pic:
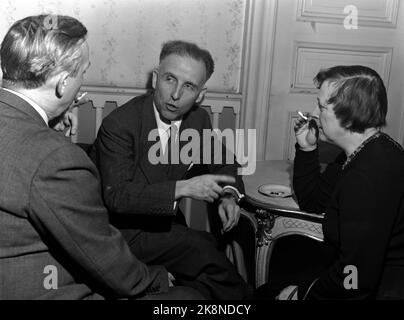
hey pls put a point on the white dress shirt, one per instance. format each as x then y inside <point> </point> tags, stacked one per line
<point>164,128</point>
<point>164,132</point>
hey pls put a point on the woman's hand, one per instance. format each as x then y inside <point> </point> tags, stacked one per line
<point>306,132</point>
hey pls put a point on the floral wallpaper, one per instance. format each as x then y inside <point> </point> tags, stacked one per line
<point>125,36</point>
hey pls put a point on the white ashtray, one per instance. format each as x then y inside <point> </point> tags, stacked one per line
<point>275,190</point>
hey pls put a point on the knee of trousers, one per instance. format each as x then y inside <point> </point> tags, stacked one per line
<point>201,242</point>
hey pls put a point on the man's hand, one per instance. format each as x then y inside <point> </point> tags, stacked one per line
<point>229,212</point>
<point>205,187</point>
<point>67,120</point>
<point>289,293</point>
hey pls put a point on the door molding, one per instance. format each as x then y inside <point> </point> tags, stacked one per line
<point>401,129</point>
<point>259,39</point>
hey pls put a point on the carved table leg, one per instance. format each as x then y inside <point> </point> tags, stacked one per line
<point>270,227</point>
<point>265,223</point>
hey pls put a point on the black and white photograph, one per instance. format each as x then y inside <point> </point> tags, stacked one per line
<point>202,158</point>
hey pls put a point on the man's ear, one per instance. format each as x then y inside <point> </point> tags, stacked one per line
<point>154,78</point>
<point>61,84</point>
<point>201,96</point>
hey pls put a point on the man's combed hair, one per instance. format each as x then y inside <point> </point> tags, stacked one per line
<point>188,49</point>
<point>359,96</point>
<point>33,50</point>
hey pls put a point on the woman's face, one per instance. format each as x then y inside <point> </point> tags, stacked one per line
<point>329,126</point>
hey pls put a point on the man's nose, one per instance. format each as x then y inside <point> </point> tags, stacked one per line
<point>176,93</point>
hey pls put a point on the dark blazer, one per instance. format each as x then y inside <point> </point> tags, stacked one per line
<point>132,185</point>
<point>364,219</point>
<point>51,213</point>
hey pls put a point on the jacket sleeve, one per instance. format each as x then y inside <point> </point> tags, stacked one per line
<point>66,207</point>
<point>312,187</point>
<point>115,154</point>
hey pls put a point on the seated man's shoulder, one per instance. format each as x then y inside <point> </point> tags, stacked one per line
<point>129,111</point>
<point>198,111</point>
<point>199,114</point>
<point>134,105</point>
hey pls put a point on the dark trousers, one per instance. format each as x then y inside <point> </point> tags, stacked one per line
<point>175,293</point>
<point>192,257</point>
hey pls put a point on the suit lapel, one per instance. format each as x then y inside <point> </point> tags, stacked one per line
<point>20,104</point>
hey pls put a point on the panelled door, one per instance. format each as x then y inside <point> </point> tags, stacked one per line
<point>314,34</point>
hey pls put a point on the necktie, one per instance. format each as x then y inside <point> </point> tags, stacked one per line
<point>172,133</point>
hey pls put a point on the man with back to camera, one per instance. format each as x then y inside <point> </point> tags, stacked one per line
<point>143,196</point>
<point>55,238</point>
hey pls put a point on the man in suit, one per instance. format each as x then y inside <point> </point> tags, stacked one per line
<point>143,195</point>
<point>55,238</point>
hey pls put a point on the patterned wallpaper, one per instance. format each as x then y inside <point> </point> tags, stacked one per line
<point>125,36</point>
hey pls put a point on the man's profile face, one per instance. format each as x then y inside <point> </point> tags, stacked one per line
<point>178,85</point>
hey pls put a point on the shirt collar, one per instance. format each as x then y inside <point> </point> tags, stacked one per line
<point>31,103</point>
<point>161,125</point>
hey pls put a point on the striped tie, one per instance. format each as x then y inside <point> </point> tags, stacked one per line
<point>172,132</point>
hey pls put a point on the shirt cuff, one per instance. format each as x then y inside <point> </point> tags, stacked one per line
<point>233,192</point>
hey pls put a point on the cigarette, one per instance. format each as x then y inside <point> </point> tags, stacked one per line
<point>302,115</point>
<point>81,96</point>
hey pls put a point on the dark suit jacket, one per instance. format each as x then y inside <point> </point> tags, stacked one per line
<point>51,213</point>
<point>133,187</point>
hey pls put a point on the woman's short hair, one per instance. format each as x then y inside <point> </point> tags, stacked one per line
<point>359,96</point>
<point>38,47</point>
<point>183,48</point>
